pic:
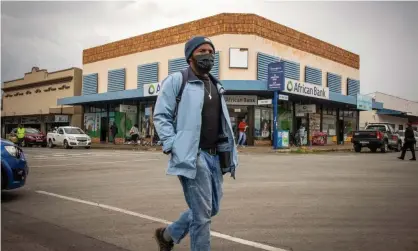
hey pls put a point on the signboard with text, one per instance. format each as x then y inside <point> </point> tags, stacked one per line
<point>241,99</point>
<point>306,89</point>
<point>364,102</point>
<point>128,108</point>
<point>275,76</point>
<point>305,108</point>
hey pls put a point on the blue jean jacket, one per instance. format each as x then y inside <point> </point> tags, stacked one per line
<point>181,135</point>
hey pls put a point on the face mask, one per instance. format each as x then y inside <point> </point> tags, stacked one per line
<point>204,62</point>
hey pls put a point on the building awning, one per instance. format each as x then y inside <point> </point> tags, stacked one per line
<point>242,86</point>
<point>390,112</point>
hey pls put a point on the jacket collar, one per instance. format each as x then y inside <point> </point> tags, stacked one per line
<point>193,78</point>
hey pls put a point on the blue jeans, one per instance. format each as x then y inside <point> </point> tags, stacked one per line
<point>203,195</point>
<point>242,138</point>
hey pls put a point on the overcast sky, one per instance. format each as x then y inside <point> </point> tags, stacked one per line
<point>52,35</point>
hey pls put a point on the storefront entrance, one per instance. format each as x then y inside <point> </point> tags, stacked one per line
<point>238,114</point>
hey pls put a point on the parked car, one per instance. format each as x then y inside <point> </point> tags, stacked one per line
<point>32,137</point>
<point>402,137</point>
<point>68,137</point>
<point>14,167</point>
<point>377,136</point>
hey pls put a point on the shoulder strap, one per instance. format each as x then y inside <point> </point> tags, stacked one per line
<point>180,93</point>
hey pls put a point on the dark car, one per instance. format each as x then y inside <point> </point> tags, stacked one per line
<point>377,136</point>
<point>14,167</point>
<point>32,137</point>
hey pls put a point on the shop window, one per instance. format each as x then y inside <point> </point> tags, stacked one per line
<point>263,123</point>
<point>400,127</point>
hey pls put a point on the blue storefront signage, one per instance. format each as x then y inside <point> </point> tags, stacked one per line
<point>275,76</point>
<point>364,102</point>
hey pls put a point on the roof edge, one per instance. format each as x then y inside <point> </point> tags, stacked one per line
<point>224,23</point>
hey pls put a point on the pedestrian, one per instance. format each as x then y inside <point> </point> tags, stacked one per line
<point>242,127</point>
<point>134,132</point>
<point>195,128</point>
<point>20,135</point>
<point>114,131</point>
<point>409,143</point>
<point>301,134</point>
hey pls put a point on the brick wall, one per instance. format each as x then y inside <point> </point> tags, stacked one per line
<point>222,24</point>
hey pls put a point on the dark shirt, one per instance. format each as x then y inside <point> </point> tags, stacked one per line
<point>211,115</point>
<point>409,134</point>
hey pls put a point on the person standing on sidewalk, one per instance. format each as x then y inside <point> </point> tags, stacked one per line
<point>410,142</point>
<point>195,128</point>
<point>242,127</point>
<point>114,131</point>
<point>20,135</point>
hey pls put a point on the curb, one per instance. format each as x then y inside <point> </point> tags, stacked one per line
<point>293,151</point>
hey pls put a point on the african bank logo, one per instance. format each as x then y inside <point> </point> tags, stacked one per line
<point>289,86</point>
<point>151,90</point>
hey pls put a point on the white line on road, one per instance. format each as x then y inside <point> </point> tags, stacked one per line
<point>98,163</point>
<point>143,216</point>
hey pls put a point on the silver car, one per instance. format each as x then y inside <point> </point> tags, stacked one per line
<point>401,134</point>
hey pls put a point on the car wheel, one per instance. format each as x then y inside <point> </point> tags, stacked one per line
<point>66,146</point>
<point>357,148</point>
<point>385,148</point>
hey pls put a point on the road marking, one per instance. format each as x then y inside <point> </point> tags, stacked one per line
<point>98,163</point>
<point>143,216</point>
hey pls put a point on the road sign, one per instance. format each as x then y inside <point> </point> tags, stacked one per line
<point>275,76</point>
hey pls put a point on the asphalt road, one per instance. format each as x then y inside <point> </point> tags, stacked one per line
<point>113,200</point>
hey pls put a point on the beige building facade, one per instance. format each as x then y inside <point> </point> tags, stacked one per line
<point>121,79</point>
<point>32,100</point>
<point>396,111</point>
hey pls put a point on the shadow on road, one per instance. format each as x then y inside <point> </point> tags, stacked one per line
<point>10,196</point>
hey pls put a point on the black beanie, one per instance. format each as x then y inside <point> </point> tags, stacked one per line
<point>195,42</point>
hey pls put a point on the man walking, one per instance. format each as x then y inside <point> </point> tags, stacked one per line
<point>410,142</point>
<point>192,121</point>
<point>242,127</point>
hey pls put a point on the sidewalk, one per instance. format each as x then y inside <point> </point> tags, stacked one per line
<point>249,149</point>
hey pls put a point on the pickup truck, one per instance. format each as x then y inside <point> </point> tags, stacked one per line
<point>377,136</point>
<point>69,137</point>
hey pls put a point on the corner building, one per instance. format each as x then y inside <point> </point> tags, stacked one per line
<point>122,79</point>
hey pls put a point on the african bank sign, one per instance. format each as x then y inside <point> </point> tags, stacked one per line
<point>305,89</point>
<point>152,89</point>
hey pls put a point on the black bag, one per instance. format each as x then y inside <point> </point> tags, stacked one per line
<point>180,93</point>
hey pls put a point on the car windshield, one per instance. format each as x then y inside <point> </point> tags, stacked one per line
<point>32,130</point>
<point>73,131</point>
<point>401,133</point>
<point>376,128</point>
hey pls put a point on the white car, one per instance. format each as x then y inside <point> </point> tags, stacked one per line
<point>402,136</point>
<point>68,137</point>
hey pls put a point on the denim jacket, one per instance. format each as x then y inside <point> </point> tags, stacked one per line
<point>181,135</point>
